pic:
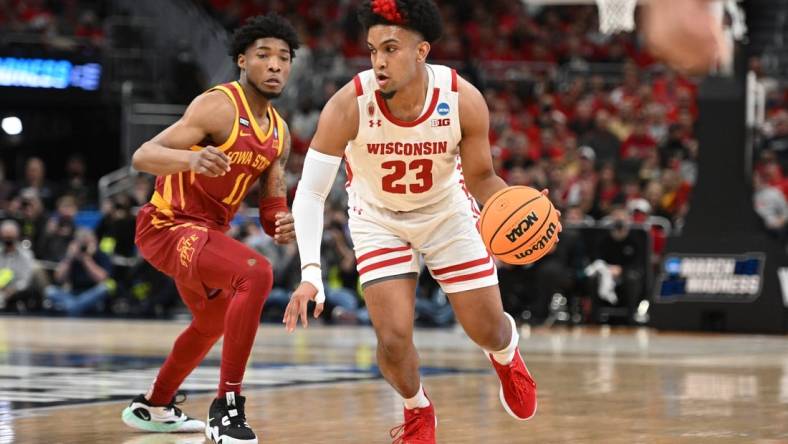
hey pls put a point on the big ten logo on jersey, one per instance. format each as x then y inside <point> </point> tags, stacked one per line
<point>443,110</point>
<point>256,160</point>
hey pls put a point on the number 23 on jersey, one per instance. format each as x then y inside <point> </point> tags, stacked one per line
<point>392,182</point>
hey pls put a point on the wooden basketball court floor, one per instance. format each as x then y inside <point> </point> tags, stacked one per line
<point>66,381</point>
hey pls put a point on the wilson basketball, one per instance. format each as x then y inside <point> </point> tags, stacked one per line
<point>519,225</point>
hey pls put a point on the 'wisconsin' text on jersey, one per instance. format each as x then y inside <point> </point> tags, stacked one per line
<point>408,149</point>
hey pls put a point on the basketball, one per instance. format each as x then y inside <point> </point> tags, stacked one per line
<point>519,225</point>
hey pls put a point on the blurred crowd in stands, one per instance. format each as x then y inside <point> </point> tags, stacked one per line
<point>59,23</point>
<point>615,146</point>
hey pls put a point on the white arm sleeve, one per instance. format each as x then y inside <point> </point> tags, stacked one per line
<point>318,175</point>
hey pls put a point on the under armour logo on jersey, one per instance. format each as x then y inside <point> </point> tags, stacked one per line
<point>373,123</point>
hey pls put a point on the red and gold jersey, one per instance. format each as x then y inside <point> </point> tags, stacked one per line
<point>213,201</point>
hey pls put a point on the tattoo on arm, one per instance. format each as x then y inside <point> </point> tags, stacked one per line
<point>281,184</point>
<point>273,180</point>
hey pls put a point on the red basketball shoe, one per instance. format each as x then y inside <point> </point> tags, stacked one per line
<point>518,389</point>
<point>419,427</point>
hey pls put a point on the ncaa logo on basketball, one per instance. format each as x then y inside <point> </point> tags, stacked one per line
<point>523,226</point>
<point>443,108</point>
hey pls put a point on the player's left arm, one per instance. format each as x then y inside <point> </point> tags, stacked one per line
<point>477,165</point>
<point>275,216</point>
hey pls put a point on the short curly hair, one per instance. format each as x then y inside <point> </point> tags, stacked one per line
<point>263,26</point>
<point>421,16</point>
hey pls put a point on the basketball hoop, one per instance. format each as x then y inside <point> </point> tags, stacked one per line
<point>616,15</point>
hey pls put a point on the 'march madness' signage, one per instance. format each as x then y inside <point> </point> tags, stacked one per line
<point>711,278</point>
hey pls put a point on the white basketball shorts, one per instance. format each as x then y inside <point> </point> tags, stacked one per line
<point>389,243</point>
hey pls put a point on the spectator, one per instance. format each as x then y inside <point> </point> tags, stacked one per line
<point>640,213</point>
<point>607,190</point>
<point>675,199</point>
<point>657,119</point>
<point>16,268</point>
<point>28,210</point>
<point>652,193</point>
<point>624,257</point>
<point>59,231</point>
<point>90,28</point>
<point>773,175</point>
<point>520,154</point>
<point>6,189</point>
<point>83,275</point>
<point>639,144</point>
<point>777,137</point>
<point>142,191</point>
<point>76,183</point>
<point>115,230</point>
<point>601,139</point>
<point>649,167</point>
<point>305,118</point>
<point>771,205</point>
<point>675,145</point>
<point>583,121</point>
<point>35,180</point>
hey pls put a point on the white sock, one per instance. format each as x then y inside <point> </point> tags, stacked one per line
<point>417,402</point>
<point>506,355</point>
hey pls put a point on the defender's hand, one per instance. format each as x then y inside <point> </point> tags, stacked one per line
<point>296,308</point>
<point>285,228</point>
<point>209,161</point>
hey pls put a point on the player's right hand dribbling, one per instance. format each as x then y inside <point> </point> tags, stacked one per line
<point>296,308</point>
<point>210,162</point>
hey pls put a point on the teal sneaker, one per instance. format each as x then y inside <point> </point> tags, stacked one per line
<point>141,415</point>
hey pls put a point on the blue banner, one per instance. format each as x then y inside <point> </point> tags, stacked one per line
<point>49,73</point>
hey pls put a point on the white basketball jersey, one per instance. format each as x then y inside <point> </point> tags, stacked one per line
<point>401,165</point>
